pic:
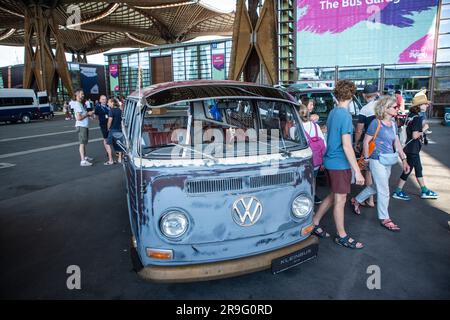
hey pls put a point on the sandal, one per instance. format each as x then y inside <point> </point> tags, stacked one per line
<point>107,163</point>
<point>322,233</point>
<point>355,206</point>
<point>368,204</point>
<point>388,224</point>
<point>348,242</point>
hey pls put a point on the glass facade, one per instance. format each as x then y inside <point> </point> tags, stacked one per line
<point>190,61</point>
<point>409,78</point>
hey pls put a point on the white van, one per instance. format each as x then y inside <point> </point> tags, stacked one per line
<point>23,104</point>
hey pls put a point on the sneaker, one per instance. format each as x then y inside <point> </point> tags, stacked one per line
<point>428,132</point>
<point>85,163</point>
<point>317,200</point>
<point>89,159</point>
<point>429,195</point>
<point>401,195</point>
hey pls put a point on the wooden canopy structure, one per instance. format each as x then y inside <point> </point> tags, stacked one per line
<point>255,42</point>
<point>48,28</point>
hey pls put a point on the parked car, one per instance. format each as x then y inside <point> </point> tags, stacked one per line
<point>23,105</point>
<point>324,101</point>
<point>219,180</point>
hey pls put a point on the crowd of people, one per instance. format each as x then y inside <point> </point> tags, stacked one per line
<point>108,113</point>
<point>376,139</point>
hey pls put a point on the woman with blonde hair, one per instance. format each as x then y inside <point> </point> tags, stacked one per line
<point>383,132</point>
<point>316,141</point>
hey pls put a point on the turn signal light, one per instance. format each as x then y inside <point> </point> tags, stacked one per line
<point>159,254</point>
<point>307,230</point>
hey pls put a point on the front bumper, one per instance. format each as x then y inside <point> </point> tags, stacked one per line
<point>220,269</point>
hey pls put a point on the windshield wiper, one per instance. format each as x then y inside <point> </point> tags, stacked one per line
<point>154,148</point>
<point>284,151</point>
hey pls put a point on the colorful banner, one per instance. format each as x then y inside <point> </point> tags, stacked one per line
<point>89,80</point>
<point>218,66</point>
<point>364,32</point>
<point>114,78</point>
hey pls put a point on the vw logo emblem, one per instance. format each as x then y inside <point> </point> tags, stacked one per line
<point>246,211</point>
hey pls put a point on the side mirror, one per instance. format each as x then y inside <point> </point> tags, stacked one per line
<point>119,141</point>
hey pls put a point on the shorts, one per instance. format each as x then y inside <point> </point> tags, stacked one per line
<point>83,135</point>
<point>113,136</point>
<point>339,180</point>
<point>104,131</point>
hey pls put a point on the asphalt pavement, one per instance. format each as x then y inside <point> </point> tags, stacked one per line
<point>55,214</point>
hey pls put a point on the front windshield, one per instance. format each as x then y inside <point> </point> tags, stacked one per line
<point>218,128</point>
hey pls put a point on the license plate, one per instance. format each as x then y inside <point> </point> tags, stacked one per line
<point>294,259</point>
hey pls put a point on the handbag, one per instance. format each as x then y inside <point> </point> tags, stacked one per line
<point>361,161</point>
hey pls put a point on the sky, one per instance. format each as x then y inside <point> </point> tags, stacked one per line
<point>15,55</point>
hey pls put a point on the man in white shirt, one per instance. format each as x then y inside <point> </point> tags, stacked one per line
<point>366,116</point>
<point>82,125</point>
<point>367,113</point>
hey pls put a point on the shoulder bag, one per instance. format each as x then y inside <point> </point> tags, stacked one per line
<point>361,161</point>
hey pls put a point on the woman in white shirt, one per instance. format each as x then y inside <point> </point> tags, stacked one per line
<point>312,129</point>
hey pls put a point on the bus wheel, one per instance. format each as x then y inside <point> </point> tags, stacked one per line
<point>25,118</point>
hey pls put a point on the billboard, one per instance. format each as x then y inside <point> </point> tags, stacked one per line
<point>364,32</point>
<point>114,78</point>
<point>218,66</point>
<point>89,80</point>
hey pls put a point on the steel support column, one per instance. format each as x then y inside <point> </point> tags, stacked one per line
<point>42,67</point>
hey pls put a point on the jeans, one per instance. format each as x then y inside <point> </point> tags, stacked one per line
<point>380,176</point>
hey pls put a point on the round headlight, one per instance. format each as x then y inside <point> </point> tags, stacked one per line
<point>174,224</point>
<point>302,206</point>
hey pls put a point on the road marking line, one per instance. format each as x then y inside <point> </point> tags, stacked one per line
<point>4,165</point>
<point>21,153</point>
<point>43,135</point>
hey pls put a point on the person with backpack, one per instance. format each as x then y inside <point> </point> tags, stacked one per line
<point>316,142</point>
<point>414,135</point>
<point>382,133</point>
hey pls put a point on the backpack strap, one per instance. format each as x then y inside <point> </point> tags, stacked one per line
<point>378,129</point>
<point>307,135</point>
<point>315,128</point>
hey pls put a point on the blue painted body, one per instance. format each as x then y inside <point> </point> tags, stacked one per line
<point>16,113</point>
<point>213,235</point>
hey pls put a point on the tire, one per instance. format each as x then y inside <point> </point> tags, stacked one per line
<point>25,118</point>
<point>135,260</point>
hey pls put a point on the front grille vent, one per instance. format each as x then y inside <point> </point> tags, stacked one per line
<point>272,180</point>
<point>219,185</point>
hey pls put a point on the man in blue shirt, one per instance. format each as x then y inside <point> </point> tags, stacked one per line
<point>101,111</point>
<point>339,161</point>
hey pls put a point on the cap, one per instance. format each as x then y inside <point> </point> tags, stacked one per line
<point>370,88</point>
